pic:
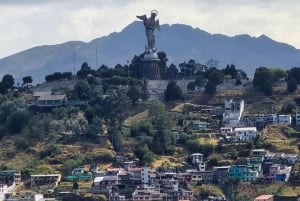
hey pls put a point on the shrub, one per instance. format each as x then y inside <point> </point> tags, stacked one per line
<point>22,143</point>
<point>106,157</point>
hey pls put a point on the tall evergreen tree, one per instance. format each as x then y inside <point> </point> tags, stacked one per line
<point>173,92</point>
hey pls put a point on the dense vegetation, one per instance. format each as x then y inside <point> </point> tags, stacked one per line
<point>113,95</point>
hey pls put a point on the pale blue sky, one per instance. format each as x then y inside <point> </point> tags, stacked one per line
<point>28,23</point>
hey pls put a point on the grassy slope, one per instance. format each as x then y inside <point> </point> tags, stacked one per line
<point>17,159</point>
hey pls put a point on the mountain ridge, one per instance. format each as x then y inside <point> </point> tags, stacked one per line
<point>179,41</point>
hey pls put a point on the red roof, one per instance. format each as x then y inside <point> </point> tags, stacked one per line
<point>264,197</point>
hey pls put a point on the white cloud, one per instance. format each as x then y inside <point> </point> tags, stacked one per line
<point>24,24</point>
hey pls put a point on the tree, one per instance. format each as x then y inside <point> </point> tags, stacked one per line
<point>261,75</point>
<point>210,87</point>
<point>278,74</point>
<point>75,186</point>
<point>7,83</point>
<point>238,81</point>
<point>162,63</point>
<point>173,92</point>
<point>82,90</point>
<point>216,76</point>
<point>242,74</point>
<point>133,93</point>
<point>288,105</point>
<point>200,81</point>
<point>144,94</point>
<point>145,156</point>
<point>292,84</point>
<point>54,76</point>
<point>17,120</point>
<point>230,70</point>
<point>295,71</point>
<point>120,70</point>
<point>112,111</point>
<point>94,129</point>
<point>162,142</point>
<point>27,80</point>
<point>135,66</point>
<point>267,88</point>
<point>161,119</point>
<point>171,72</point>
<point>157,108</point>
<point>191,86</point>
<point>69,165</point>
<point>188,69</point>
<point>85,71</point>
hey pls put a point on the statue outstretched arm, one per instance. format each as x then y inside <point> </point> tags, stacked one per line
<point>142,17</point>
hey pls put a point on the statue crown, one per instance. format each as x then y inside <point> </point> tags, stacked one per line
<point>154,12</point>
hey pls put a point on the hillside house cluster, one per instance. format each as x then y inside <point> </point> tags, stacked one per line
<point>236,126</point>
<point>165,183</point>
<point>261,165</point>
<point>234,116</point>
<point>149,184</point>
<point>11,180</point>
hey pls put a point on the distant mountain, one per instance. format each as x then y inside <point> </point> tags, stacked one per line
<point>180,42</point>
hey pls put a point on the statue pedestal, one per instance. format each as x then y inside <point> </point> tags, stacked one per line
<point>150,66</point>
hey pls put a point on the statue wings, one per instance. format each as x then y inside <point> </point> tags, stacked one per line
<point>157,25</point>
<point>142,17</point>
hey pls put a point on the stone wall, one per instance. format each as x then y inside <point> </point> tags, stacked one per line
<point>157,88</point>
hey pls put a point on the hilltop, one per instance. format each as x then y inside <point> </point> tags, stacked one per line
<point>102,118</point>
<point>180,42</point>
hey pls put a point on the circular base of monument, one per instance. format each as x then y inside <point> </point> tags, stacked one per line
<point>150,56</point>
<point>150,68</point>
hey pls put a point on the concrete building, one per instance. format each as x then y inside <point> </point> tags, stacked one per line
<point>233,113</point>
<point>45,180</point>
<point>259,152</point>
<point>242,173</point>
<point>285,119</point>
<point>147,175</point>
<point>270,119</point>
<point>197,159</point>
<point>207,177</point>
<point>226,130</point>
<point>221,174</point>
<point>298,118</point>
<point>10,177</point>
<point>245,134</point>
<point>279,173</point>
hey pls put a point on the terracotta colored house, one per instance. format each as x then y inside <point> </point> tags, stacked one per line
<point>265,198</point>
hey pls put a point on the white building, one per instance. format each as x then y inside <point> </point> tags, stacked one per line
<point>298,118</point>
<point>226,130</point>
<point>285,119</point>
<point>78,171</point>
<point>233,113</point>
<point>147,175</point>
<point>144,175</point>
<point>197,159</point>
<point>245,134</point>
<point>3,191</point>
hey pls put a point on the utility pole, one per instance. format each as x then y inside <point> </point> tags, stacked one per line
<point>96,55</point>
<point>74,60</point>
